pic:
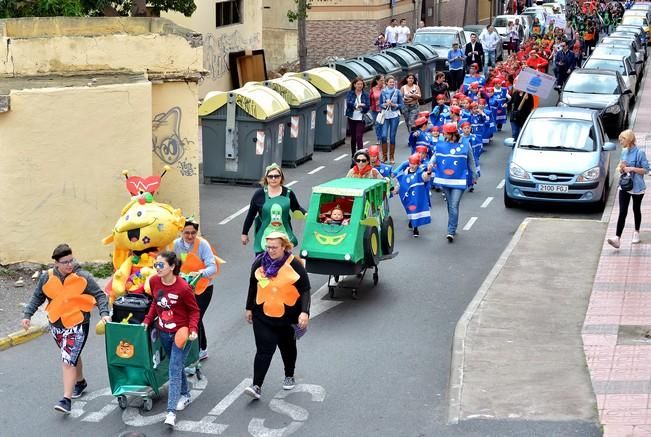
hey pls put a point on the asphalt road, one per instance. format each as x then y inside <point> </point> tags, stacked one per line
<point>378,365</point>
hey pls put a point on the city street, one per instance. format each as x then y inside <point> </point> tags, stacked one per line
<point>378,365</point>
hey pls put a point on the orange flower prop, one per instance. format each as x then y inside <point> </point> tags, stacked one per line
<point>67,299</point>
<point>273,294</point>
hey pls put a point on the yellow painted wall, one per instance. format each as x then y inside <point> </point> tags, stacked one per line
<point>63,151</point>
<point>219,41</point>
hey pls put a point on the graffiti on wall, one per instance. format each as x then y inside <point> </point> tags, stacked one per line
<point>167,142</point>
<point>217,47</point>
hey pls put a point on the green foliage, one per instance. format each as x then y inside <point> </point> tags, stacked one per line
<point>102,270</point>
<point>77,8</point>
<point>301,10</point>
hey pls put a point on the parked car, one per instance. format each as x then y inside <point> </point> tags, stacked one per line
<point>628,52</point>
<point>603,90</point>
<point>634,40</point>
<point>641,12</point>
<point>537,12</point>
<point>641,34</point>
<point>478,29</point>
<point>441,38</point>
<point>639,21</point>
<point>616,63</point>
<point>501,25</point>
<point>562,155</point>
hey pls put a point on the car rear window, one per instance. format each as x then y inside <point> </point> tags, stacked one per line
<point>435,39</point>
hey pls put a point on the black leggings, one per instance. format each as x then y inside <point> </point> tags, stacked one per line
<point>624,200</point>
<point>203,300</point>
<point>267,337</point>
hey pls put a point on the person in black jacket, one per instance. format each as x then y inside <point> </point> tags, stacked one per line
<point>521,105</point>
<point>474,53</point>
<point>440,86</point>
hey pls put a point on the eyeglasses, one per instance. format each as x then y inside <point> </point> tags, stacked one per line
<point>67,262</point>
<point>159,265</point>
<point>273,176</point>
<point>274,247</point>
<point>361,160</point>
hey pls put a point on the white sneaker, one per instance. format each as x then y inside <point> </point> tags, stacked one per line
<point>170,419</point>
<point>183,402</point>
<point>636,237</point>
<point>614,242</point>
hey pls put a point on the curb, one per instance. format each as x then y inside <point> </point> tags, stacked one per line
<point>22,336</point>
<point>459,338</point>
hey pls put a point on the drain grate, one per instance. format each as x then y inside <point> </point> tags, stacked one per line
<point>634,334</point>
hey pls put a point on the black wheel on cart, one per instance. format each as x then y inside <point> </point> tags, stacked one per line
<point>354,293</point>
<point>376,277</point>
<point>147,404</point>
<point>331,291</point>
<point>122,402</point>
<point>371,247</point>
<point>335,277</point>
<point>387,236</point>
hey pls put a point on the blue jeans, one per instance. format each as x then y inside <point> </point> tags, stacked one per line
<point>178,385</point>
<point>515,130</point>
<point>389,129</point>
<point>453,197</point>
<point>377,128</point>
<point>490,59</point>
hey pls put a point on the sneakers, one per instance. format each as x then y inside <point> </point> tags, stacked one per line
<point>170,419</point>
<point>183,402</point>
<point>203,354</point>
<point>416,233</point>
<point>254,391</point>
<point>409,224</point>
<point>471,189</point>
<point>80,386</point>
<point>190,371</point>
<point>450,238</point>
<point>614,242</point>
<point>636,237</point>
<point>63,406</point>
<point>289,383</point>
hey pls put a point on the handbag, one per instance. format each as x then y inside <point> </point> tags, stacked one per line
<point>380,117</point>
<point>368,119</point>
<point>626,179</point>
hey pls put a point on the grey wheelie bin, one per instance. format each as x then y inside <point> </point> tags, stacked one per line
<point>428,57</point>
<point>352,68</point>
<point>331,113</point>
<point>410,63</point>
<point>303,98</point>
<point>385,64</point>
<point>242,132</point>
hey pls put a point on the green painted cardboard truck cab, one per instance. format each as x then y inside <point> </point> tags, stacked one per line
<point>348,249</point>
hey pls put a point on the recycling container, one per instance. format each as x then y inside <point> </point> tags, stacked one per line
<point>242,133</point>
<point>428,57</point>
<point>352,68</point>
<point>331,112</point>
<point>303,99</point>
<point>385,64</point>
<point>409,62</point>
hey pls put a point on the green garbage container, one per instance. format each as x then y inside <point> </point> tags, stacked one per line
<point>385,64</point>
<point>243,132</point>
<point>331,112</point>
<point>428,57</point>
<point>303,100</point>
<point>352,68</point>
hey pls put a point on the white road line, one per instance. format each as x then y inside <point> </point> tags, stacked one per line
<point>289,184</point>
<point>232,216</point>
<point>340,157</point>
<point>401,122</point>
<point>366,142</point>
<point>319,168</point>
<point>501,185</point>
<point>470,223</point>
<point>318,305</point>
<point>230,398</point>
<point>487,202</point>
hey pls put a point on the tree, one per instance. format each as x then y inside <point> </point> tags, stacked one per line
<point>111,8</point>
<point>299,15</point>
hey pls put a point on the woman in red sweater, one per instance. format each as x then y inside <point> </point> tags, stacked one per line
<point>175,307</point>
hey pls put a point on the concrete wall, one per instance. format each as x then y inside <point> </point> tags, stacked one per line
<point>279,36</point>
<point>63,151</point>
<point>451,12</point>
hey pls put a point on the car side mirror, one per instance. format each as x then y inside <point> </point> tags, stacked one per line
<point>609,147</point>
<point>509,142</point>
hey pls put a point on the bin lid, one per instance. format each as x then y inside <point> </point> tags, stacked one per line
<point>353,68</point>
<point>406,58</point>
<point>424,52</point>
<point>295,91</point>
<point>256,100</point>
<point>382,62</point>
<point>326,79</point>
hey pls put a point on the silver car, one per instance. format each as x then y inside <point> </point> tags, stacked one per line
<point>617,63</point>
<point>562,155</point>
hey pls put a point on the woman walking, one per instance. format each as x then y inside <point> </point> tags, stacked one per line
<point>411,95</point>
<point>363,168</point>
<point>391,101</point>
<point>270,209</point>
<point>634,163</point>
<point>176,310</point>
<point>440,88</point>
<point>377,84</point>
<point>278,306</point>
<point>357,104</point>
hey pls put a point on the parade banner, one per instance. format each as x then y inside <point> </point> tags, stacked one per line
<point>534,82</point>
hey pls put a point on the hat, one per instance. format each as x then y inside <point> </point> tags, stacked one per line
<point>465,123</point>
<point>489,89</point>
<point>449,128</point>
<point>420,121</point>
<point>423,114</point>
<point>374,151</point>
<point>440,97</point>
<point>455,110</point>
<point>434,129</point>
<point>422,149</point>
<point>459,95</point>
<point>474,85</point>
<point>414,159</point>
<point>473,105</point>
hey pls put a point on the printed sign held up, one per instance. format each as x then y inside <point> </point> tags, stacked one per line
<point>534,82</point>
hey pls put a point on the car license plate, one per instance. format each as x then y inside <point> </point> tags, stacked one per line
<point>553,188</point>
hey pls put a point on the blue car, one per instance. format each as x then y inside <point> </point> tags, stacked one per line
<point>562,156</point>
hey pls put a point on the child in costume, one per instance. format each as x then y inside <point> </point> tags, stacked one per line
<point>440,113</point>
<point>489,127</point>
<point>469,139</point>
<point>419,135</point>
<point>499,101</point>
<point>414,193</point>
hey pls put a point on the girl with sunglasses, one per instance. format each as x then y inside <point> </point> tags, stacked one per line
<point>363,168</point>
<point>270,209</point>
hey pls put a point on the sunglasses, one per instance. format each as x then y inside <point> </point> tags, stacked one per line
<point>361,160</point>
<point>273,176</point>
<point>159,265</point>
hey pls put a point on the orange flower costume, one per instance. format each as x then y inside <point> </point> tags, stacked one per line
<point>67,300</point>
<point>273,294</point>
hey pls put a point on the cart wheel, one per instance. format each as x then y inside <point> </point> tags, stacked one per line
<point>354,293</point>
<point>336,278</point>
<point>147,404</point>
<point>376,277</point>
<point>331,291</point>
<point>199,375</point>
<point>122,402</point>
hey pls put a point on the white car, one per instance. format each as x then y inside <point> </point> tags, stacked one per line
<point>501,25</point>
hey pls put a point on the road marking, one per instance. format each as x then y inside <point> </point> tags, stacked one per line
<point>401,122</point>
<point>366,142</point>
<point>319,168</point>
<point>290,183</point>
<point>340,157</point>
<point>230,398</point>
<point>470,223</point>
<point>501,184</point>
<point>487,202</point>
<point>232,216</point>
<point>320,306</point>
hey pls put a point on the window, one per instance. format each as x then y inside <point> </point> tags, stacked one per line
<point>228,12</point>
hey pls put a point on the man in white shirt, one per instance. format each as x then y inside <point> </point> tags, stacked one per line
<point>403,33</point>
<point>489,40</point>
<point>391,33</point>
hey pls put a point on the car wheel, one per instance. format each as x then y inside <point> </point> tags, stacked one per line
<point>371,246</point>
<point>508,202</point>
<point>387,237</point>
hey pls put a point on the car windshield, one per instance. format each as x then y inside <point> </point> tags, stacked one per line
<point>501,22</point>
<point>638,21</point>
<point>591,84</point>
<point>435,39</point>
<point>616,43</point>
<point>557,134</point>
<point>620,51</point>
<point>605,64</point>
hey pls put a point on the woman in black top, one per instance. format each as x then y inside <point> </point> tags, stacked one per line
<point>521,105</point>
<point>270,209</point>
<point>278,306</point>
<point>440,86</point>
